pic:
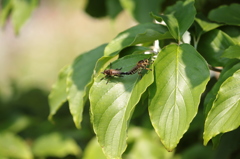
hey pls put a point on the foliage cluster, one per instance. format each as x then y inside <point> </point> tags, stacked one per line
<point>179,98</point>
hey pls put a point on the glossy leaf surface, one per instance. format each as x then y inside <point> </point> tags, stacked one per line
<point>141,33</point>
<point>82,70</point>
<point>224,115</point>
<point>112,104</point>
<point>181,75</point>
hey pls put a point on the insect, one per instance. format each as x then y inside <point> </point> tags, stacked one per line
<point>112,72</point>
<point>142,64</point>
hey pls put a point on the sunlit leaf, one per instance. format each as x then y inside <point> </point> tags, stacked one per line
<point>179,18</point>
<point>58,93</point>
<point>81,73</point>
<point>227,72</point>
<point>181,75</point>
<point>232,52</point>
<point>226,14</point>
<point>55,144</point>
<point>224,115</point>
<point>112,104</point>
<point>12,146</point>
<point>212,45</point>
<point>21,11</point>
<point>138,34</point>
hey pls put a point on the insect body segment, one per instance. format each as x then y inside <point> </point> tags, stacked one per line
<point>142,64</point>
<point>112,72</point>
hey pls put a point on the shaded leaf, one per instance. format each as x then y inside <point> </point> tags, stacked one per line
<point>212,45</point>
<point>181,76</point>
<point>96,8</point>
<point>22,10</point>
<point>211,96</point>
<point>12,146</point>
<point>58,94</point>
<point>226,14</point>
<point>56,145</point>
<point>112,105</point>
<point>224,115</point>
<point>179,18</point>
<point>81,73</point>
<point>113,8</point>
<point>232,52</point>
<point>138,34</point>
<point>140,9</point>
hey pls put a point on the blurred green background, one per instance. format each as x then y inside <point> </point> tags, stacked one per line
<point>54,34</point>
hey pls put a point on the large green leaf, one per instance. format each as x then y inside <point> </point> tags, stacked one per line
<point>181,75</point>
<point>226,14</point>
<point>140,9</point>
<point>212,45</point>
<point>112,105</point>
<point>58,93</point>
<point>55,144</point>
<point>141,33</point>
<point>81,73</point>
<point>232,52</point>
<point>211,96</point>
<point>224,115</point>
<point>179,18</point>
<point>12,146</point>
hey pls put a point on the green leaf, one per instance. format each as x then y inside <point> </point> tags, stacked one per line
<point>12,146</point>
<point>114,8</point>
<point>55,145</point>
<point>233,32</point>
<point>93,150</point>
<point>224,115</point>
<point>141,33</point>
<point>145,145</point>
<point>5,9</point>
<point>140,9</point>
<point>112,105</point>
<point>205,24</point>
<point>179,18</point>
<point>22,10</point>
<point>232,52</point>
<point>77,82</point>
<point>181,76</point>
<point>211,96</point>
<point>226,14</point>
<point>212,45</point>
<point>58,93</point>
